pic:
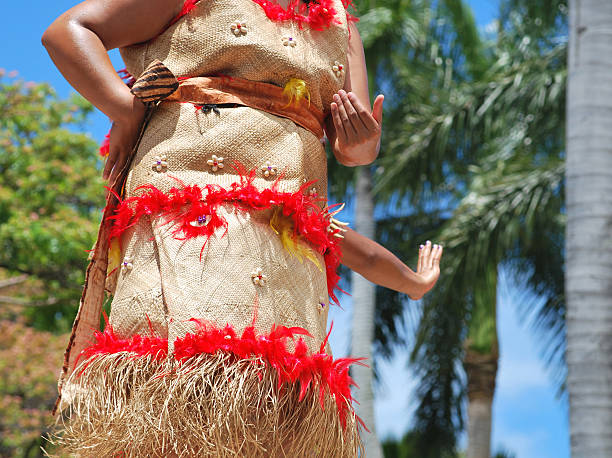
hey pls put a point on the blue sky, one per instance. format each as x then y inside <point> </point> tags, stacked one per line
<point>527,418</point>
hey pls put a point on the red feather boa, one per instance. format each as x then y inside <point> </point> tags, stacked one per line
<point>182,207</point>
<point>270,349</point>
<point>319,15</point>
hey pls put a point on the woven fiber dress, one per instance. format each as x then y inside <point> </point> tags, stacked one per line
<point>222,255</point>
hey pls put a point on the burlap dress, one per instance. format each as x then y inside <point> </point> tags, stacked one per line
<point>223,257</point>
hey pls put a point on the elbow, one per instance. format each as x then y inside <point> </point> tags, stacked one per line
<point>46,38</point>
<point>60,31</point>
<point>50,35</point>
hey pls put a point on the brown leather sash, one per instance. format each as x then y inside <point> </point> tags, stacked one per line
<point>262,96</point>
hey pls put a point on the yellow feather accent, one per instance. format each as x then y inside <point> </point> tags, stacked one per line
<point>114,255</point>
<point>283,227</point>
<point>296,91</point>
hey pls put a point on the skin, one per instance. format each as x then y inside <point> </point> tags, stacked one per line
<point>78,42</point>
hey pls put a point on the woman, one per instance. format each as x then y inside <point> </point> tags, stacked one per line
<point>217,243</point>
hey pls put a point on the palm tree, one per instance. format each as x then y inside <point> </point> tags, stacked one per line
<point>589,234</point>
<point>387,29</point>
<point>379,30</point>
<point>364,297</point>
<point>498,219</point>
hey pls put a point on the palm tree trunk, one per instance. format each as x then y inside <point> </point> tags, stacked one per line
<point>481,371</point>
<point>589,228</point>
<point>364,300</point>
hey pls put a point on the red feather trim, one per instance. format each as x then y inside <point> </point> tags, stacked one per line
<point>188,6</point>
<point>319,15</point>
<point>183,206</point>
<point>349,16</point>
<point>317,369</point>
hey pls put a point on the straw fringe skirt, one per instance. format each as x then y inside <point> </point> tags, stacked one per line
<point>222,277</point>
<point>212,405</point>
<point>200,356</point>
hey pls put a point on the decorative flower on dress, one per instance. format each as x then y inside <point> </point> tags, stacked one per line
<point>321,306</point>
<point>258,277</point>
<point>338,69</point>
<point>161,163</point>
<point>127,265</point>
<point>216,163</point>
<point>312,192</point>
<point>289,41</point>
<point>201,221</point>
<point>269,169</point>
<point>239,28</point>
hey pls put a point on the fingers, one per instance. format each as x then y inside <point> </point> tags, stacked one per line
<point>110,162</point>
<point>340,132</point>
<point>420,261</point>
<point>377,109</point>
<point>365,117</point>
<point>354,119</point>
<point>344,116</point>
<point>429,256</point>
<point>437,255</point>
<point>118,167</point>
<point>426,255</point>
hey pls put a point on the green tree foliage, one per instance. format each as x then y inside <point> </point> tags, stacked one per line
<point>29,365</point>
<point>50,196</point>
<point>473,157</point>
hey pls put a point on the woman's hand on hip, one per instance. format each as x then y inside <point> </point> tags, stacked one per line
<point>358,129</point>
<point>123,137</point>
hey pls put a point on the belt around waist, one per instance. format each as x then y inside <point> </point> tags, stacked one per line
<point>157,83</point>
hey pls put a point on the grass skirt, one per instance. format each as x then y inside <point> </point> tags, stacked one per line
<point>218,394</point>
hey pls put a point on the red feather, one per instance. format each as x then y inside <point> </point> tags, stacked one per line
<point>297,366</point>
<point>181,206</point>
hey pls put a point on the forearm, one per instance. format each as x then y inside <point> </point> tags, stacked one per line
<point>378,265</point>
<point>81,57</point>
<point>79,39</point>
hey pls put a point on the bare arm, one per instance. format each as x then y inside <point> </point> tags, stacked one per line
<point>78,42</point>
<point>352,129</point>
<point>380,266</point>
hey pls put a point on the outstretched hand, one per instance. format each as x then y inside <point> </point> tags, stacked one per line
<point>357,128</point>
<point>428,268</point>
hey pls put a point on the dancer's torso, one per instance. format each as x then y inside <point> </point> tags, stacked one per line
<point>186,142</point>
<point>203,43</point>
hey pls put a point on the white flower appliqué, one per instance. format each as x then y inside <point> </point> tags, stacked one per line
<point>161,163</point>
<point>289,41</point>
<point>215,163</point>
<point>338,69</point>
<point>258,277</point>
<point>269,169</point>
<point>239,28</point>
<point>127,265</point>
<point>202,220</point>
